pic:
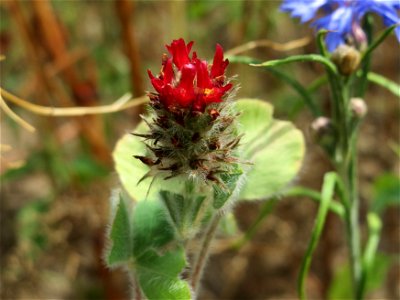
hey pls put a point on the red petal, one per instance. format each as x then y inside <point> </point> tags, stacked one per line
<point>157,83</point>
<point>203,78</point>
<point>168,71</point>
<point>180,52</point>
<point>187,76</point>
<point>219,64</point>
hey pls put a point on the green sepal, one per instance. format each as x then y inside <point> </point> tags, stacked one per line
<point>274,148</point>
<point>120,235</point>
<point>224,192</point>
<point>158,275</point>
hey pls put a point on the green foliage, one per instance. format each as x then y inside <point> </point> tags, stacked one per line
<point>85,169</point>
<point>142,238</point>
<point>378,41</point>
<point>31,232</point>
<point>386,192</point>
<point>304,93</point>
<point>300,58</point>
<point>274,148</point>
<point>271,155</point>
<point>384,82</point>
<point>342,287</point>
<point>328,190</point>
<point>120,235</point>
<point>151,228</point>
<point>158,275</point>
<point>184,211</point>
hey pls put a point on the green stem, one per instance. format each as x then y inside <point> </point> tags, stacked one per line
<point>347,167</point>
<point>366,59</point>
<point>353,226</point>
<point>345,160</point>
<point>201,259</point>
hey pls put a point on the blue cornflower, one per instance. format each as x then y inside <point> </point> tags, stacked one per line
<point>343,16</point>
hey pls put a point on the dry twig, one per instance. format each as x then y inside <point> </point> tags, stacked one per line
<point>269,44</point>
<point>121,104</point>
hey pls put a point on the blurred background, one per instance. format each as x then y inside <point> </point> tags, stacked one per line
<point>55,182</point>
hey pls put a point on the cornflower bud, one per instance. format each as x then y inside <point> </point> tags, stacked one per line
<point>346,58</point>
<point>358,107</point>
<point>323,132</point>
<point>192,125</point>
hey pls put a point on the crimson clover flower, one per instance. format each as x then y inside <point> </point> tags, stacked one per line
<point>186,82</point>
<point>343,17</point>
<point>192,130</point>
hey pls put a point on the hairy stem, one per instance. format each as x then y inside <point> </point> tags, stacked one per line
<point>201,258</point>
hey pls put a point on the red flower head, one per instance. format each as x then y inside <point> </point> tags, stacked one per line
<point>186,82</point>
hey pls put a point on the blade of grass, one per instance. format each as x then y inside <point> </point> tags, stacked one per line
<point>299,58</point>
<point>374,228</point>
<point>303,92</point>
<point>378,41</point>
<point>299,191</point>
<point>382,81</point>
<point>328,189</point>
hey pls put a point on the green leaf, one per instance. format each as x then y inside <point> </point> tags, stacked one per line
<point>384,82</point>
<point>222,194</point>
<point>369,255</point>
<point>131,170</point>
<point>300,191</point>
<point>328,190</point>
<point>184,211</point>
<point>120,236</point>
<point>31,233</point>
<point>342,287</point>
<point>295,84</point>
<point>299,58</point>
<point>274,148</point>
<point>151,228</point>
<point>158,275</point>
<point>157,260</point>
<point>378,41</point>
<point>386,192</point>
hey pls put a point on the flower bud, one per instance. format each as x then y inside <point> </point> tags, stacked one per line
<point>358,107</point>
<point>359,36</point>
<point>323,132</point>
<point>346,58</point>
<point>320,126</point>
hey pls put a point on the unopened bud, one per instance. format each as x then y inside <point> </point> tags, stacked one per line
<point>321,125</point>
<point>323,132</point>
<point>346,58</point>
<point>358,107</point>
<point>360,38</point>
